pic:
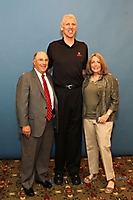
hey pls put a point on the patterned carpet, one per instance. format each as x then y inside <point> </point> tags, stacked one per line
<point>10,186</point>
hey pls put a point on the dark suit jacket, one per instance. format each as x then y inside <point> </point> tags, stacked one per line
<point>31,103</point>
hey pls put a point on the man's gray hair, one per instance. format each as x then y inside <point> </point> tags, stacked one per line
<point>68,15</point>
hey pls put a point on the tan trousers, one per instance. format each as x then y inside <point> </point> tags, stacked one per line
<point>97,137</point>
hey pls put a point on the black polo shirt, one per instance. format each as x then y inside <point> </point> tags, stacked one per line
<point>67,62</point>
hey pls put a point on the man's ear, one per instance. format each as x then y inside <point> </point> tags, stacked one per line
<point>61,27</point>
<point>33,61</point>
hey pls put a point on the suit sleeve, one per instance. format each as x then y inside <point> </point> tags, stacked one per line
<point>22,101</point>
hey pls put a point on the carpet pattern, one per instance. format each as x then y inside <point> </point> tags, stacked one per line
<point>10,185</point>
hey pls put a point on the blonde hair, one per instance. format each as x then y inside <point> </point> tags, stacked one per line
<point>70,16</point>
<point>104,67</point>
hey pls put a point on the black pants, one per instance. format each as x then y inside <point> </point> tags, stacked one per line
<point>68,140</point>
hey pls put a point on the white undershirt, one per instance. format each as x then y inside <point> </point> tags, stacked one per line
<point>48,84</point>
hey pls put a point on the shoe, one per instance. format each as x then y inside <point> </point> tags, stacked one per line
<point>45,184</point>
<point>90,178</point>
<point>108,189</point>
<point>75,178</point>
<point>58,179</point>
<point>29,192</point>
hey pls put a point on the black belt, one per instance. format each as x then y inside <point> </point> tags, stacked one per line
<point>70,86</point>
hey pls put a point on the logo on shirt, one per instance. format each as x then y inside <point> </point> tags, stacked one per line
<point>79,54</point>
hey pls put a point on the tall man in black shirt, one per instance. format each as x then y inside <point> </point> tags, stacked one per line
<point>68,57</point>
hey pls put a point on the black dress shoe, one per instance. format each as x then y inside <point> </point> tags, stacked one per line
<point>58,179</point>
<point>75,179</point>
<point>29,192</point>
<point>46,184</point>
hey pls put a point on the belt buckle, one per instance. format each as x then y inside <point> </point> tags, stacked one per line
<point>69,87</point>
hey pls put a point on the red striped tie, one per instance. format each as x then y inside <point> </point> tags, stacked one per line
<point>48,100</point>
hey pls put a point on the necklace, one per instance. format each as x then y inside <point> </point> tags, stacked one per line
<point>94,78</point>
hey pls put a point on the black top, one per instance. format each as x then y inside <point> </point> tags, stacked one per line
<point>67,62</point>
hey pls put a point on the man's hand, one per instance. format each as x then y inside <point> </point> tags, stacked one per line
<point>26,130</point>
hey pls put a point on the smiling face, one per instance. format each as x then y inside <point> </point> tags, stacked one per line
<point>68,26</point>
<point>95,65</point>
<point>40,62</point>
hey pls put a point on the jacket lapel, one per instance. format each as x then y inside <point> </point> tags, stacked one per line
<point>38,83</point>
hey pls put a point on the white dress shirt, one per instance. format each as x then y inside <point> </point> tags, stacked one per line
<point>48,84</point>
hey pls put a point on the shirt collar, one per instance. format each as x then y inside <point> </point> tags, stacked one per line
<point>63,42</point>
<point>38,73</point>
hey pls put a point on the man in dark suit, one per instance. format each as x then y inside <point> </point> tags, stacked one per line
<point>36,128</point>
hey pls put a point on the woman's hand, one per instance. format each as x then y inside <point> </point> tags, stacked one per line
<point>103,119</point>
